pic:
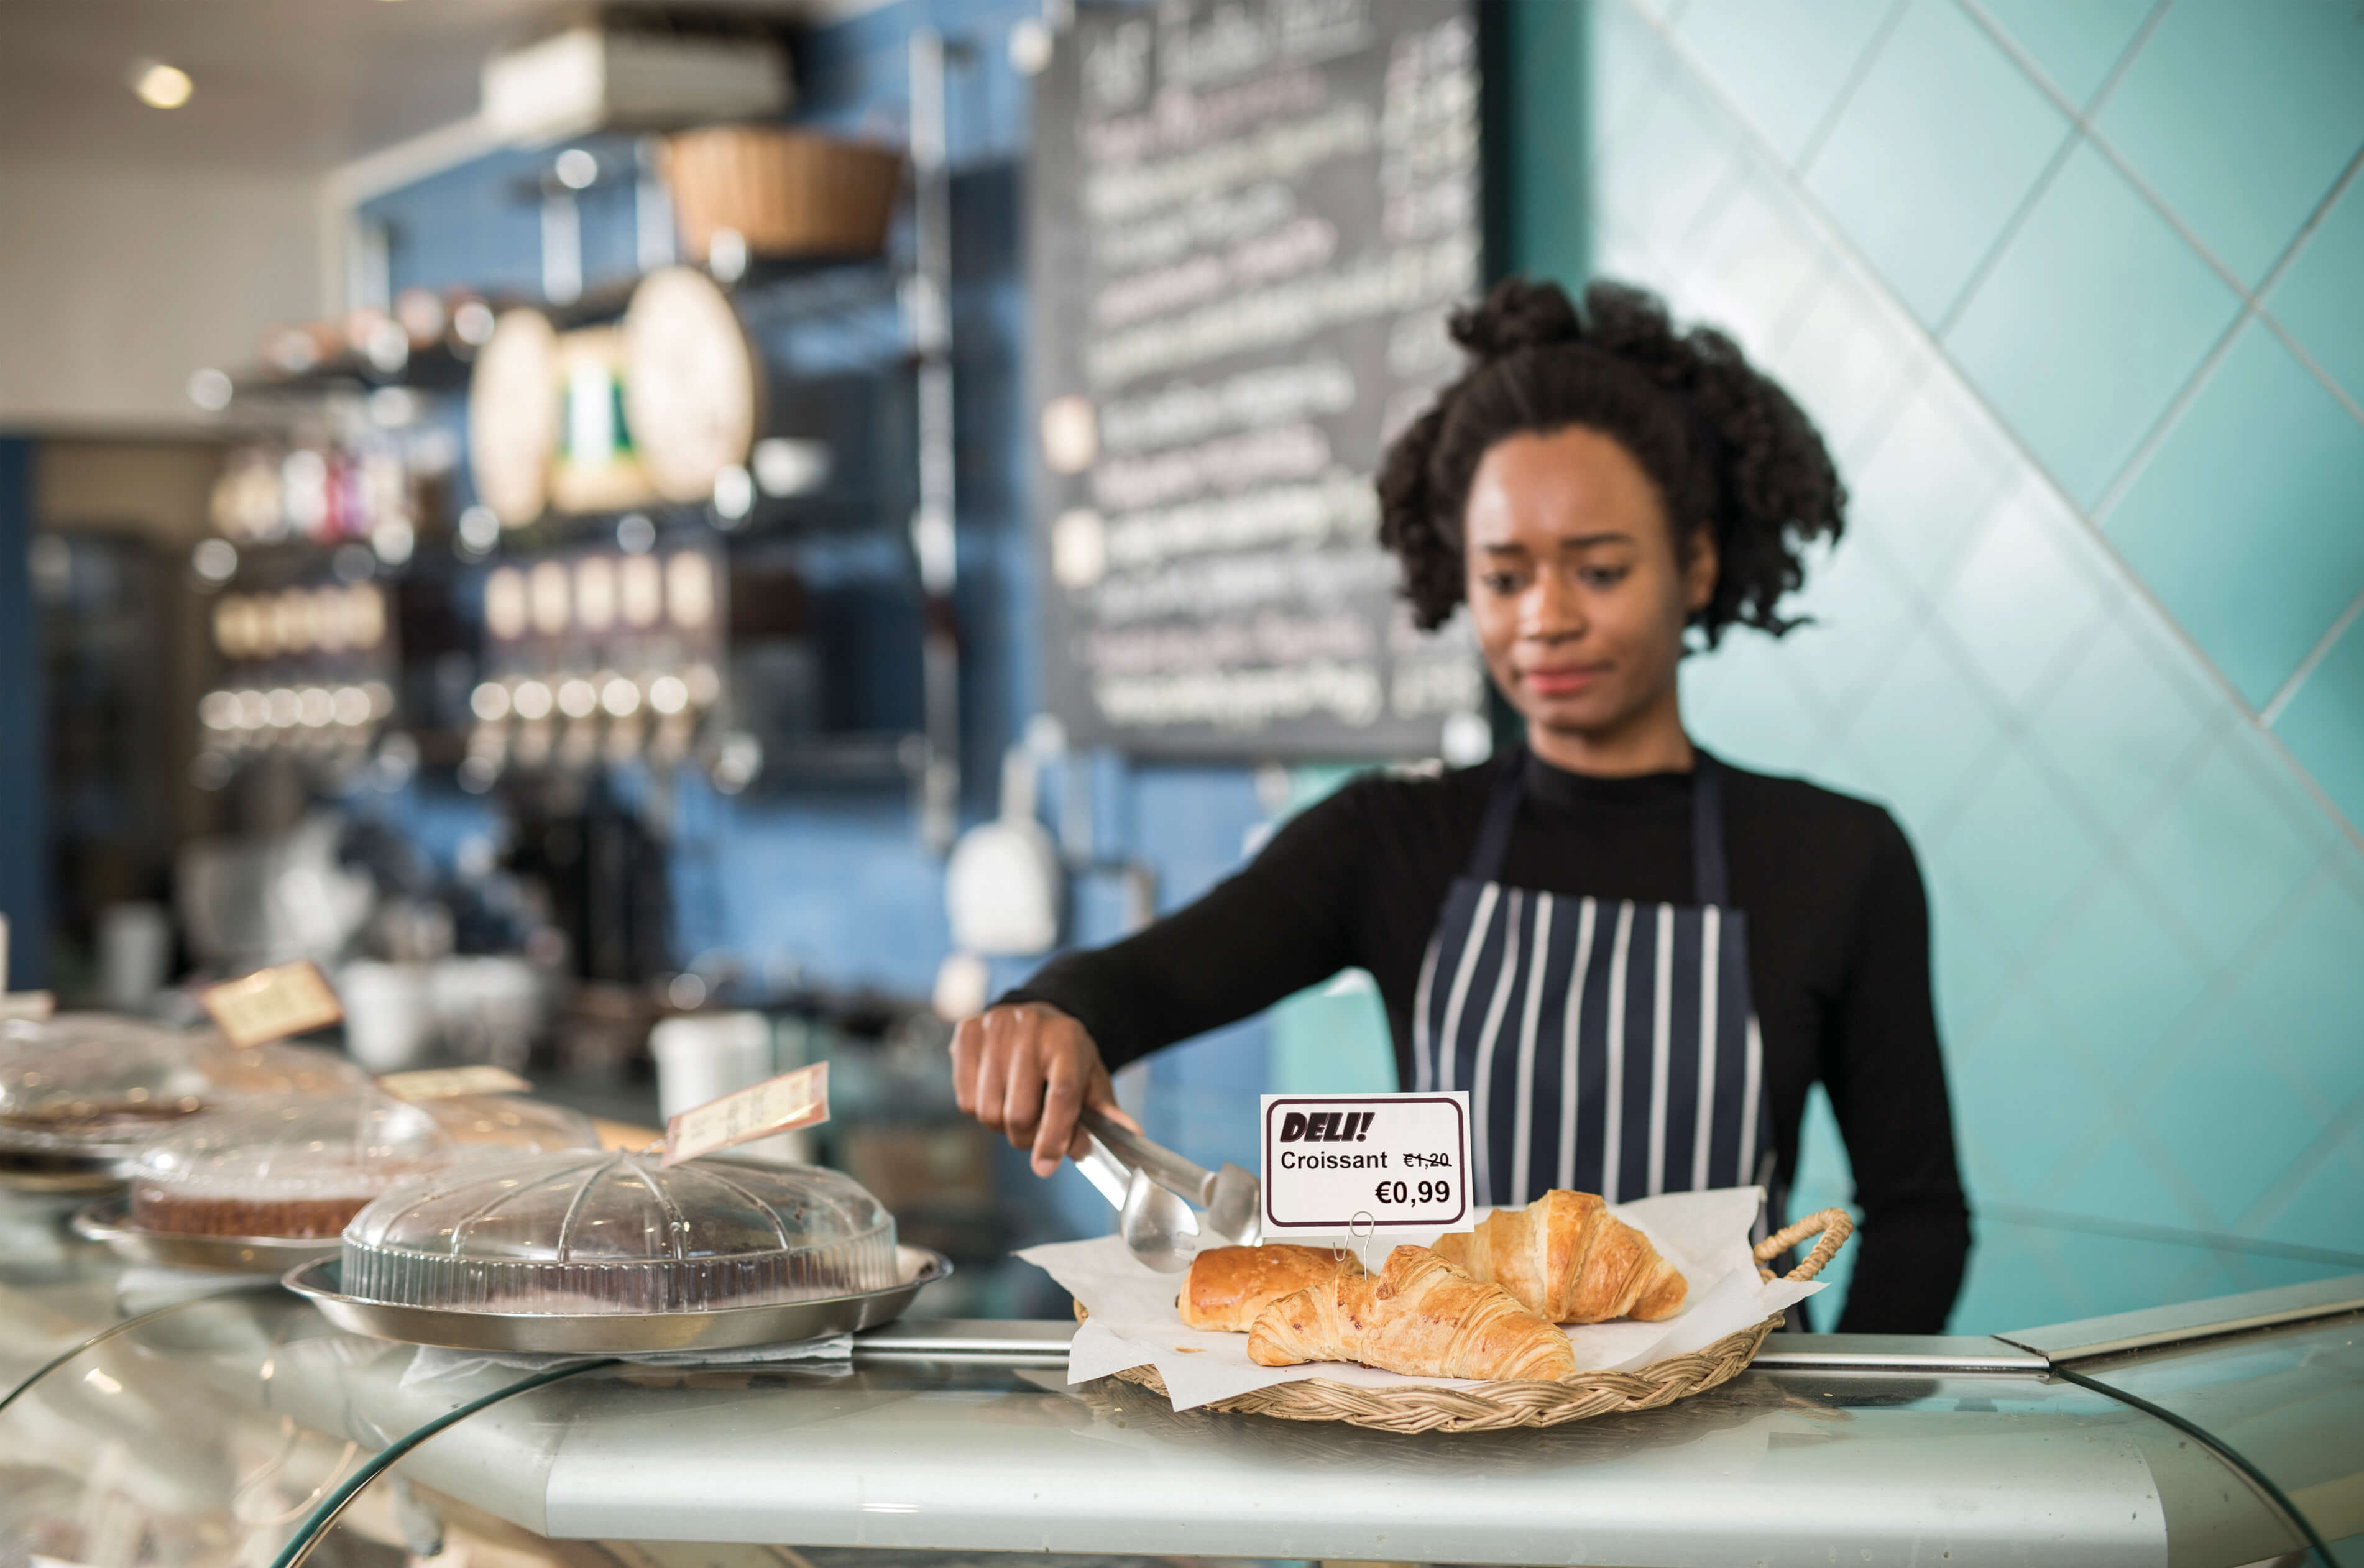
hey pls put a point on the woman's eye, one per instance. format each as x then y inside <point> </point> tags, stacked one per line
<point>1499,582</point>
<point>1604,577</point>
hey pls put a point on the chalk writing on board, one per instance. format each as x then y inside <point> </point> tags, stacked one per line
<point>1250,218</point>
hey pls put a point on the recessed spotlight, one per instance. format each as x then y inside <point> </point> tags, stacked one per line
<point>160,87</point>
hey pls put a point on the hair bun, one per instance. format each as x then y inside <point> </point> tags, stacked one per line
<point>1517,315</point>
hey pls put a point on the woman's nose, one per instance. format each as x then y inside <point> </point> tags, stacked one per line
<point>1551,610</point>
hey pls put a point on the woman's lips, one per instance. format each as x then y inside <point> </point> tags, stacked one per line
<point>1563,682</point>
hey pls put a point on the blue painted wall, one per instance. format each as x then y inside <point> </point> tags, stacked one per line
<point>2064,286</point>
<point>23,868</point>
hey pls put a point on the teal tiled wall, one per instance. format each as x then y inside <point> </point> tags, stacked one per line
<point>2072,289</point>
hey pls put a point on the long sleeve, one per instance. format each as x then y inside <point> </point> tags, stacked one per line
<point>1280,924</point>
<point>1886,1084</point>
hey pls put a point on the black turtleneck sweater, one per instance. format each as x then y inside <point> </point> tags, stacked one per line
<point>1838,950</point>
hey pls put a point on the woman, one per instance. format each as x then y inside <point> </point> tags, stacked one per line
<point>1635,957</point>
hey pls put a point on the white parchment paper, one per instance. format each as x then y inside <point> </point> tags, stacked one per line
<point>1135,1323</point>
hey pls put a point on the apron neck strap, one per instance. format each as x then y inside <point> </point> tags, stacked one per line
<point>1712,881</point>
<point>1502,815</point>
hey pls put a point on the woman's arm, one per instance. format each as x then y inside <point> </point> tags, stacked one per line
<point>1028,1063</point>
<point>1886,1084</point>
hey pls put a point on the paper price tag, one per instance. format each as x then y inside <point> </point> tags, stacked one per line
<point>1350,1164</point>
<point>777,1105</point>
<point>445,1082</point>
<point>31,1006</point>
<point>272,1004</point>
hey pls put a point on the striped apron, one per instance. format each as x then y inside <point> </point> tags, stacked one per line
<point>1607,1047</point>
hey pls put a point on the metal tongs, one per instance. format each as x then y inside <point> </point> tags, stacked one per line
<point>1147,1184</point>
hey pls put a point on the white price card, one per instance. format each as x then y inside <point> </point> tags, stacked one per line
<point>1354,1164</point>
<point>776,1104</point>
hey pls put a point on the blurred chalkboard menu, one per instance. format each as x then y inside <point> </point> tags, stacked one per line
<point>1249,220</point>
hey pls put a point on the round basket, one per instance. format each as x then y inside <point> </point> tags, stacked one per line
<point>1496,1407</point>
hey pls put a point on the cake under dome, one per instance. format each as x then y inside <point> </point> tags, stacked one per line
<point>617,1232</point>
<point>94,1081</point>
<point>297,1167</point>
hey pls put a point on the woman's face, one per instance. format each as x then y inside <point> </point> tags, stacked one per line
<point>1573,584</point>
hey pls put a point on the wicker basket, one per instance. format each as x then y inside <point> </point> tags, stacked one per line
<point>1494,1406</point>
<point>786,193</point>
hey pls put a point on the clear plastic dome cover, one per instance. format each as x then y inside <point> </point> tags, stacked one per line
<point>303,1165</point>
<point>618,1232</point>
<point>94,1080</point>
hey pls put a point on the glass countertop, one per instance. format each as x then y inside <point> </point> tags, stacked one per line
<point>2289,1401</point>
<point>226,1421</point>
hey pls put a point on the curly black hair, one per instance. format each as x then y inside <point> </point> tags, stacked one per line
<point>1727,448</point>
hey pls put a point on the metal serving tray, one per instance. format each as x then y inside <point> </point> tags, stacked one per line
<point>48,1170</point>
<point>108,1221</point>
<point>618,1333</point>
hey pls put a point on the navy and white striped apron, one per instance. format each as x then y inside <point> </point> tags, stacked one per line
<point>1608,1047</point>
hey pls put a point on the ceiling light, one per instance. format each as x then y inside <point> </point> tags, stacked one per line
<point>160,87</point>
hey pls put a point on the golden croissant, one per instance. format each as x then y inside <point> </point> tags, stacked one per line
<point>1227,1287</point>
<point>1563,1256</point>
<point>1419,1315</point>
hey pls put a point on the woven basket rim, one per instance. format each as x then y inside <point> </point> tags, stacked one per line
<point>1497,1405</point>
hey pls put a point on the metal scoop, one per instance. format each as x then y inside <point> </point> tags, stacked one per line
<point>1155,1224</point>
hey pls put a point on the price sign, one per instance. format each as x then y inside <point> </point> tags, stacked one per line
<point>776,1104</point>
<point>1347,1164</point>
<point>272,1004</point>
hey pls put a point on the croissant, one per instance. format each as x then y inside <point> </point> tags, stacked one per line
<point>1565,1257</point>
<point>1419,1315</point>
<point>1227,1287</point>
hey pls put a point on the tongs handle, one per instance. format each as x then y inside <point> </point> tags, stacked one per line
<point>1162,1165</point>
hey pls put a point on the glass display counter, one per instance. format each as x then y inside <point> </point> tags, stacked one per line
<point>223,1430</point>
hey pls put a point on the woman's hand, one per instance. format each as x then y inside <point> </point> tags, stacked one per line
<point>1029,1070</point>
